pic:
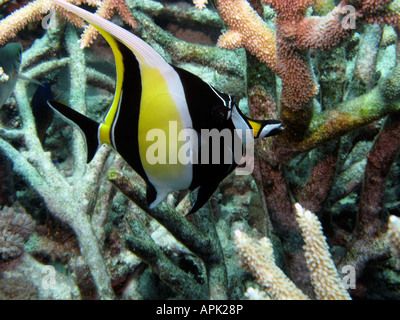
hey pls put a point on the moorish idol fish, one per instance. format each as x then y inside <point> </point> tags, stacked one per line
<point>151,94</point>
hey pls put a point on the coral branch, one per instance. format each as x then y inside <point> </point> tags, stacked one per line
<point>34,11</point>
<point>259,258</point>
<point>324,276</point>
<point>380,159</point>
<point>207,248</point>
<point>247,29</point>
<point>106,10</point>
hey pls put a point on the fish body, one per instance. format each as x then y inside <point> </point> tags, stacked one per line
<point>153,96</point>
<point>10,61</point>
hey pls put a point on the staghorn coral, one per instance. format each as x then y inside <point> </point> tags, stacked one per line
<point>312,123</point>
<point>258,257</point>
<point>37,9</point>
<point>378,11</point>
<point>76,197</point>
<point>285,52</point>
<point>324,276</point>
<point>296,34</point>
<point>106,10</point>
<point>324,169</point>
<point>199,236</point>
<point>37,167</point>
<point>33,11</point>
<point>200,4</point>
<point>247,30</point>
<point>16,226</point>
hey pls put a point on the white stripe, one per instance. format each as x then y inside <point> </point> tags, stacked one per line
<point>115,120</point>
<point>267,129</point>
<point>223,100</point>
<point>240,124</point>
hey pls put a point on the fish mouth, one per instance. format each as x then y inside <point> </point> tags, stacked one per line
<point>277,130</point>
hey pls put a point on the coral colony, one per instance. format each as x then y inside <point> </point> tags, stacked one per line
<point>318,218</point>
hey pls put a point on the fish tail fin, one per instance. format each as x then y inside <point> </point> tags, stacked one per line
<point>88,127</point>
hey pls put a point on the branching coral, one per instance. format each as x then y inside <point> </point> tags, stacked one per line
<point>106,10</point>
<point>37,9</point>
<point>32,12</point>
<point>336,154</point>
<point>77,197</point>
<point>247,30</point>
<point>296,34</point>
<point>311,123</point>
<point>204,244</point>
<point>39,170</point>
<point>259,258</point>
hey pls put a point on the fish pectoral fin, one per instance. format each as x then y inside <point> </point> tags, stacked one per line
<point>203,195</point>
<point>153,196</point>
<point>88,127</point>
<point>31,80</point>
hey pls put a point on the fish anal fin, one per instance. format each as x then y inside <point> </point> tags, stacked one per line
<point>155,196</point>
<point>88,127</point>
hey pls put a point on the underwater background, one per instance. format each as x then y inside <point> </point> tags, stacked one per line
<point>329,70</point>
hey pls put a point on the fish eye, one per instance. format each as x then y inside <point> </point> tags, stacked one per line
<point>221,113</point>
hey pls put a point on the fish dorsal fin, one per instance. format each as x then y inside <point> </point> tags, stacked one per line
<point>143,52</point>
<point>117,37</point>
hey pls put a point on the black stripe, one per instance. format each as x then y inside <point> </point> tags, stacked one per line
<point>127,124</point>
<point>206,111</point>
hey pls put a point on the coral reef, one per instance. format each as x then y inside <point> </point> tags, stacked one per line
<point>37,10</point>
<point>328,69</point>
<point>16,226</point>
<point>259,258</point>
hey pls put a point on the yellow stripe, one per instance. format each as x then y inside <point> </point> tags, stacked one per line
<point>255,126</point>
<point>157,109</point>
<point>105,128</point>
